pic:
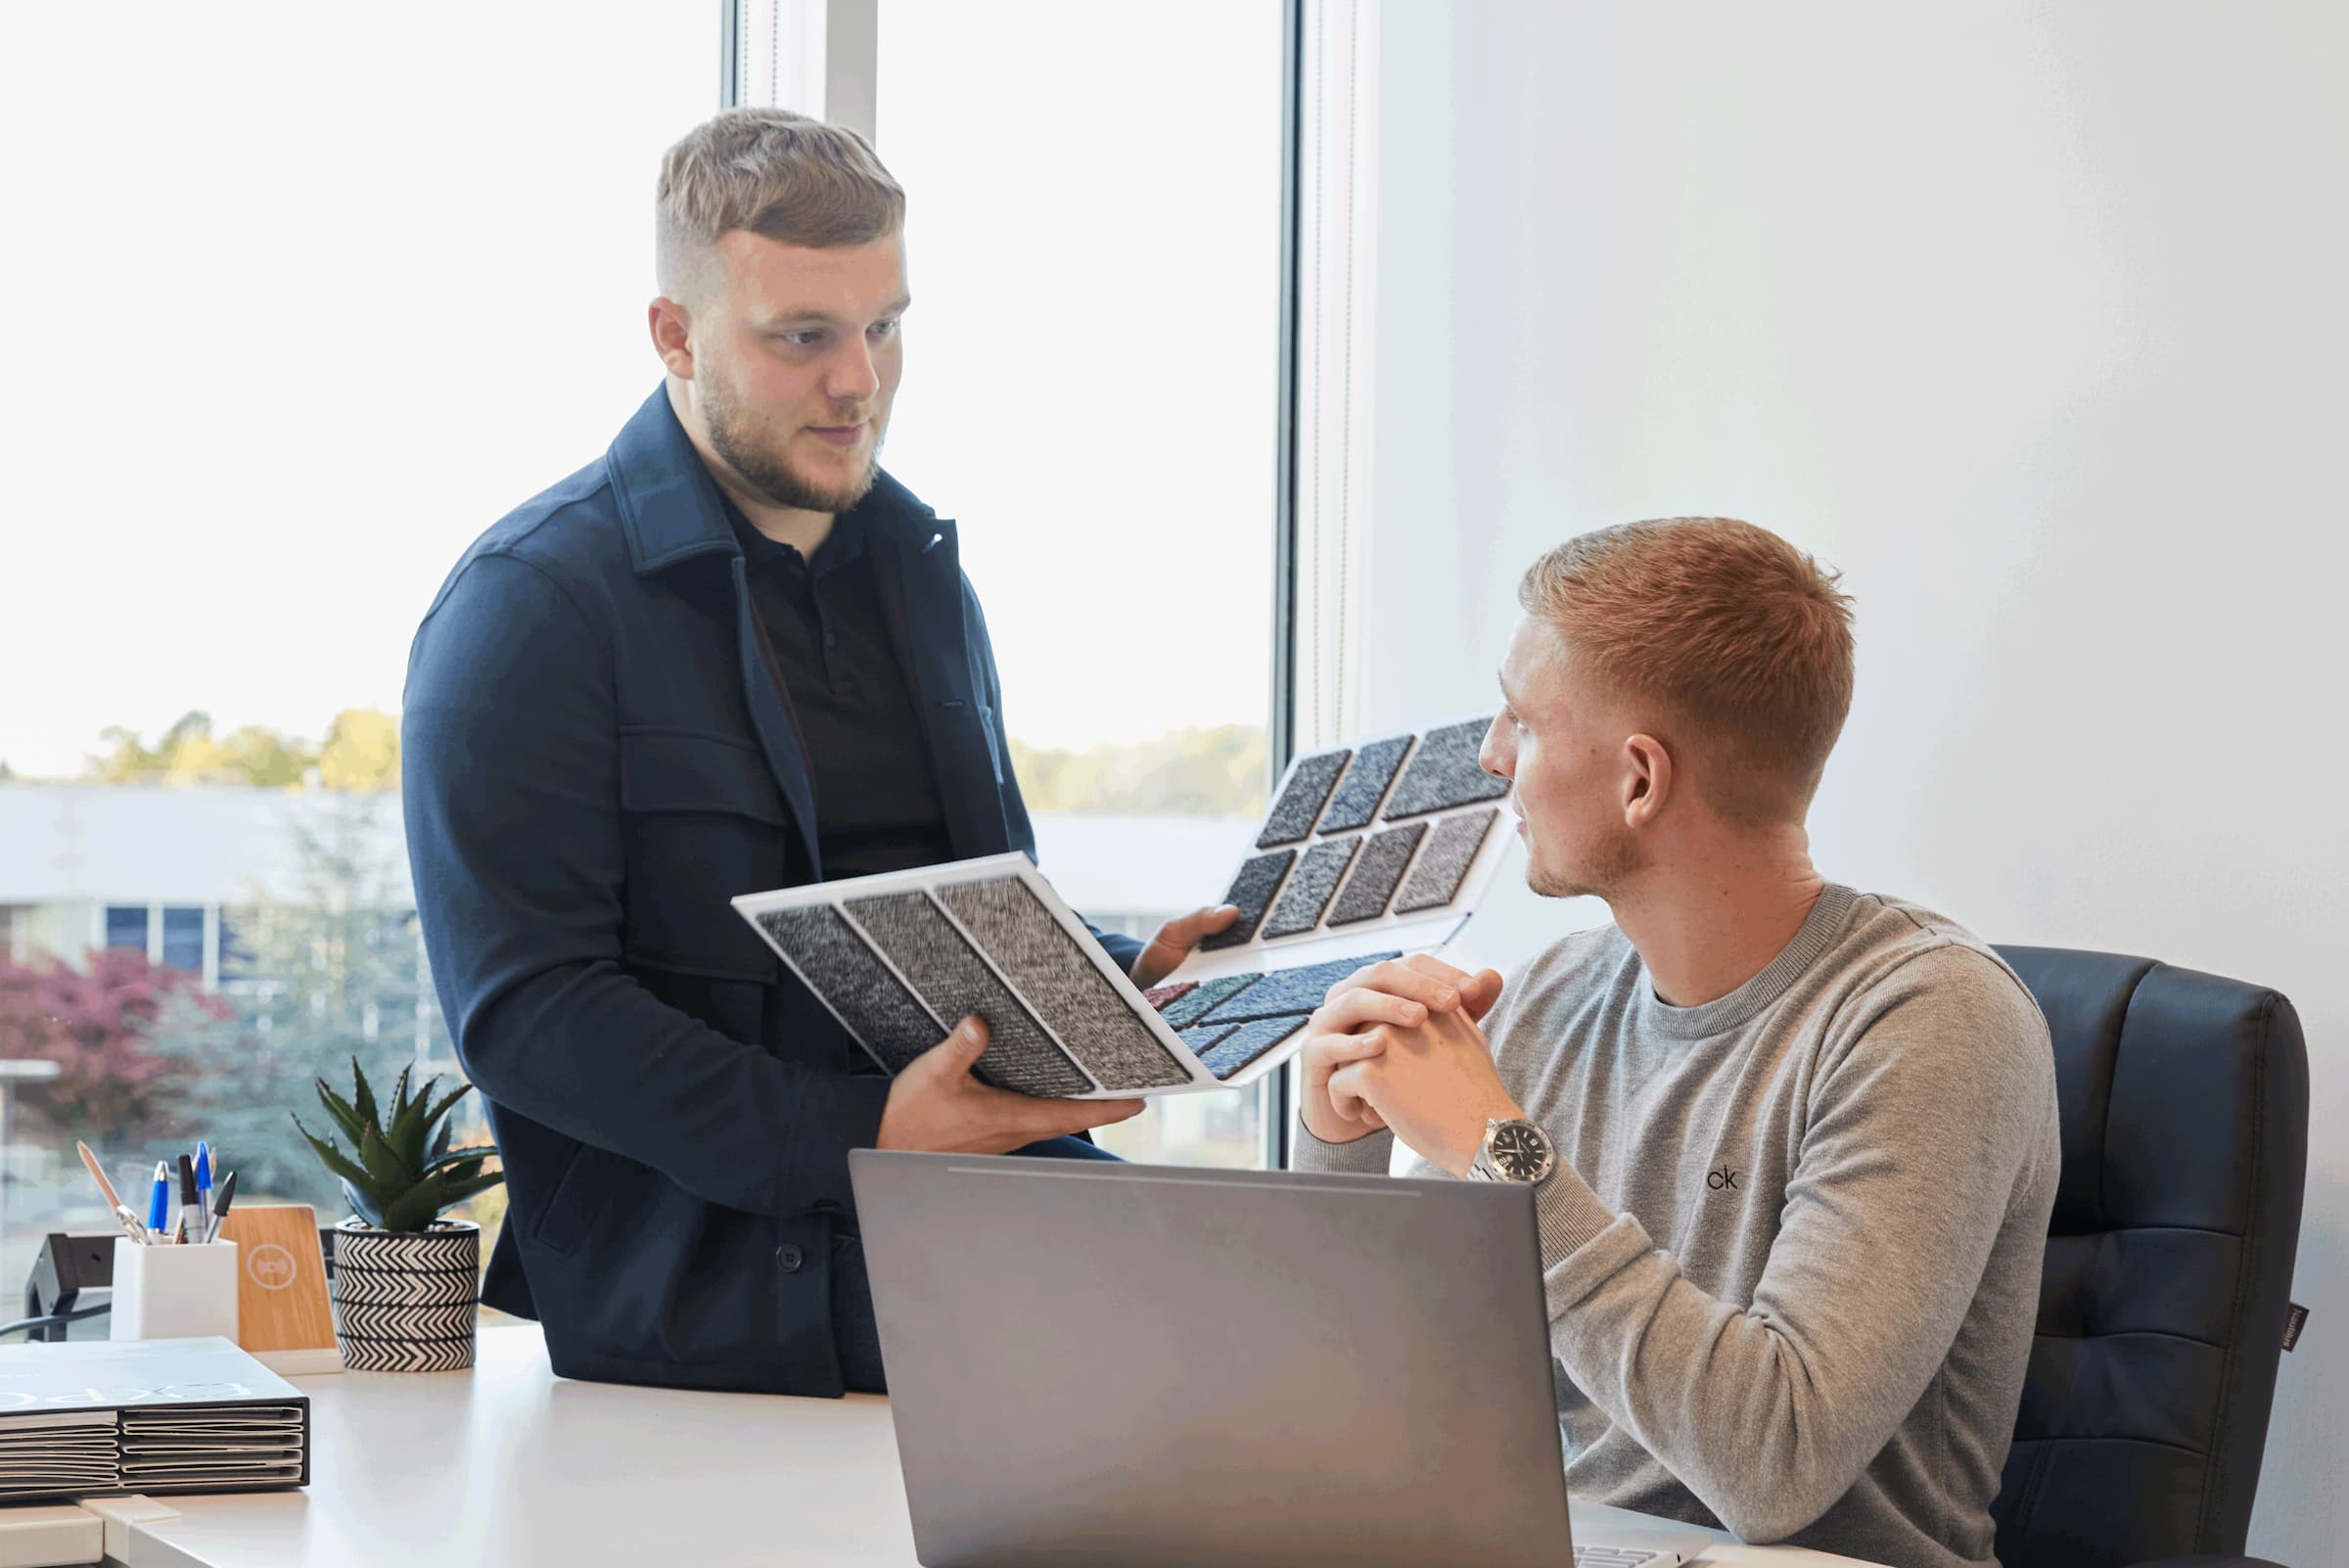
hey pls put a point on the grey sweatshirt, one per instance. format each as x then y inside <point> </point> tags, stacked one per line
<point>1793,1249</point>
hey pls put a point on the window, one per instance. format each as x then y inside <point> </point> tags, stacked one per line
<point>375,284</point>
<point>126,926</point>
<point>1092,383</point>
<point>183,939</point>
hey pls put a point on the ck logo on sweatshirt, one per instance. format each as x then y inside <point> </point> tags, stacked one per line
<point>1724,1179</point>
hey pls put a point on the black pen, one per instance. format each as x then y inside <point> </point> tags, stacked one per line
<point>191,1212</point>
<point>222,1197</point>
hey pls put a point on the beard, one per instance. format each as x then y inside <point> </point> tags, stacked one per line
<point>737,435</point>
<point>1605,873</point>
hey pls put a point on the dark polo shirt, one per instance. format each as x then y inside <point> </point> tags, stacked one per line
<point>835,642</point>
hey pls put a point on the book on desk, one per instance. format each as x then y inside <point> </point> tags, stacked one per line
<point>88,1418</point>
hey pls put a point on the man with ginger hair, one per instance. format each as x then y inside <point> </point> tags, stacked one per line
<point>1794,1146</point>
<point>730,655</point>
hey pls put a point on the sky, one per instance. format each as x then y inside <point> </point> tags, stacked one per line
<point>317,293</point>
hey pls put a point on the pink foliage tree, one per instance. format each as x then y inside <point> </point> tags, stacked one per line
<point>99,1024</point>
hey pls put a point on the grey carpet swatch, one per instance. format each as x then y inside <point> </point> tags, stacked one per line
<point>1288,991</point>
<point>1249,1041</point>
<point>1365,785</point>
<point>1317,876</point>
<point>1375,874</point>
<point>1292,816</point>
<point>888,1020</point>
<point>1204,1035</point>
<point>952,980</point>
<point>1436,879</point>
<point>1187,1009</point>
<point>1252,890</point>
<point>1056,978</point>
<point>1444,772</point>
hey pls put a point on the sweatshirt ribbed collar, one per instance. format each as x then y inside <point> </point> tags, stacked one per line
<point>1725,1013</point>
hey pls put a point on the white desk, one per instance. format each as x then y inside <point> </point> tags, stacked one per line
<point>509,1464</point>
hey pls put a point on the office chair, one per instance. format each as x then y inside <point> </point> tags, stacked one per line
<point>2183,1099</point>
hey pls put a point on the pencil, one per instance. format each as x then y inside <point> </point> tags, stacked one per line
<point>90,1160</point>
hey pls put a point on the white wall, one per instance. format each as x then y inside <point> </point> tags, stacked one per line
<point>2031,319</point>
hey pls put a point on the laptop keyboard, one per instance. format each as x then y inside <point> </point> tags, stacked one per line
<point>1614,1558</point>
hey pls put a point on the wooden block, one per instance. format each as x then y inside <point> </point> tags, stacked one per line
<point>283,1317</point>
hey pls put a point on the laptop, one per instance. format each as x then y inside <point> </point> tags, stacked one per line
<point>1095,1363</point>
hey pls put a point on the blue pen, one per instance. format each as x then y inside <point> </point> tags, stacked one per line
<point>204,1176</point>
<point>159,1203</point>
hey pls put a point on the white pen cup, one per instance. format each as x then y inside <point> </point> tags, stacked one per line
<point>166,1292</point>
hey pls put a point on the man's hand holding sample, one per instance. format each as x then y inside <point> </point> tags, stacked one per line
<point>936,1106</point>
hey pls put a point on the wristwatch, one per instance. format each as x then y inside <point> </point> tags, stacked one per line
<point>1513,1150</point>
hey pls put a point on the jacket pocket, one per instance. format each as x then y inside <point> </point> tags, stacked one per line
<point>702,820</point>
<point>577,1200</point>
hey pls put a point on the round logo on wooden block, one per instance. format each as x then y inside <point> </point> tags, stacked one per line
<point>271,1266</point>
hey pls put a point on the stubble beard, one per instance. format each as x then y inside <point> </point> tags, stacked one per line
<point>736,438</point>
<point>1605,873</point>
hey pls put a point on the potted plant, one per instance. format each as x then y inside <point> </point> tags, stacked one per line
<point>407,1282</point>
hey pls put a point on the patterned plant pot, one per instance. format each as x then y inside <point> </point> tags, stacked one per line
<point>404,1301</point>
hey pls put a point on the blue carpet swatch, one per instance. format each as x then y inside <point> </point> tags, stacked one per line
<point>1365,785</point>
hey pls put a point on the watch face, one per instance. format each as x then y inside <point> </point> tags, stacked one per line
<point>1520,1151</point>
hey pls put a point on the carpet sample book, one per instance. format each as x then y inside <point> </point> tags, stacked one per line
<point>1249,1041</point>
<point>1445,866</point>
<point>1186,1010</point>
<point>1252,890</point>
<point>1376,873</point>
<point>1292,816</point>
<point>1444,772</point>
<point>1365,785</point>
<point>952,980</point>
<point>1053,975</point>
<point>1309,893</point>
<point>886,1018</point>
<point>1288,991</point>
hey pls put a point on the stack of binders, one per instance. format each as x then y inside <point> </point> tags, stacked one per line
<point>159,1415</point>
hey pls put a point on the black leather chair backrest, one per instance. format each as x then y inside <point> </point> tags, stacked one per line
<point>2184,1107</point>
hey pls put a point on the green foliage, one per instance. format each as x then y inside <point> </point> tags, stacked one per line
<point>400,1175</point>
<point>1184,772</point>
<point>361,753</point>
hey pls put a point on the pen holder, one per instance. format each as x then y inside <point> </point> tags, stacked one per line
<point>174,1292</point>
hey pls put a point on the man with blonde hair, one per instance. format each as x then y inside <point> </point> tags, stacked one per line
<point>1793,1147</point>
<point>730,655</point>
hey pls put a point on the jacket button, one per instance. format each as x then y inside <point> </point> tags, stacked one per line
<point>788,1258</point>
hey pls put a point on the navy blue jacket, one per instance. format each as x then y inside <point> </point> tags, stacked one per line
<point>595,760</point>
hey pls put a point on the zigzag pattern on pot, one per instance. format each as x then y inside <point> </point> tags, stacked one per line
<point>360,1249</point>
<point>396,1290</point>
<point>364,1322</point>
<point>392,1355</point>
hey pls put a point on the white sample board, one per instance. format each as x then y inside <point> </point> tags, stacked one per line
<point>900,957</point>
<point>1380,845</point>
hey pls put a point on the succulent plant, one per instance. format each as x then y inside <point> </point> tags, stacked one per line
<point>400,1174</point>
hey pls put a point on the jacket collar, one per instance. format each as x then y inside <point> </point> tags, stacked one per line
<point>670,509</point>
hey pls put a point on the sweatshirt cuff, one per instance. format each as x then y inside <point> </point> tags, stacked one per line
<point>1368,1155</point>
<point>1567,1213</point>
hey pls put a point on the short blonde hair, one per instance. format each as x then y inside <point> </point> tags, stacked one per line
<point>774,172</point>
<point>1731,628</point>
